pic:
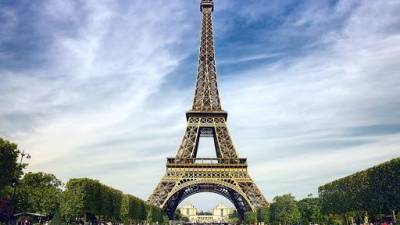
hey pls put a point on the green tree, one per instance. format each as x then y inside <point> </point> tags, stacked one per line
<point>155,214</point>
<point>383,188</point>
<point>263,215</point>
<point>250,217</point>
<point>310,210</point>
<point>137,210</point>
<point>9,167</point>
<point>39,193</point>
<point>142,212</point>
<point>370,192</point>
<point>86,199</point>
<point>125,209</point>
<point>234,218</point>
<point>72,203</point>
<point>284,210</point>
<point>57,219</point>
<point>179,216</point>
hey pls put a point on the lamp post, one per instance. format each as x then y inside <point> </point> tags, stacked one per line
<point>23,154</point>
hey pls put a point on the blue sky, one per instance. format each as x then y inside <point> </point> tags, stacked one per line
<point>99,88</point>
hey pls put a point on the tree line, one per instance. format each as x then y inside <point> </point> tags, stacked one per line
<point>87,198</point>
<point>81,199</point>
<point>285,210</point>
<point>372,195</point>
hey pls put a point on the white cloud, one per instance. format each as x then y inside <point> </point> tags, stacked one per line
<point>96,89</point>
<point>96,109</point>
<point>292,118</point>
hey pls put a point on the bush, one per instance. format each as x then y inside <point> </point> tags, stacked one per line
<point>84,197</point>
<point>374,190</point>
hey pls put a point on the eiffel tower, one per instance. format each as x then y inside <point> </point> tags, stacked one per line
<point>227,174</point>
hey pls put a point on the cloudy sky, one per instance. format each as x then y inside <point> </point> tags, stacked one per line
<point>99,88</point>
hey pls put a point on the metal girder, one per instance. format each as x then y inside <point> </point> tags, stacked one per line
<point>227,174</point>
<point>184,178</point>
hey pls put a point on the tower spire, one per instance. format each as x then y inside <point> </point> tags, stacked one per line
<point>206,97</point>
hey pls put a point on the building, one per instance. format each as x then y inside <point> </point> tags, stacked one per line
<point>219,214</point>
<point>188,210</point>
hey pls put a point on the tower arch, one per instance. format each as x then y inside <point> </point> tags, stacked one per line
<point>231,192</point>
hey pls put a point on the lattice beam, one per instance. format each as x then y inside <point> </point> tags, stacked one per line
<point>206,97</point>
<point>227,174</point>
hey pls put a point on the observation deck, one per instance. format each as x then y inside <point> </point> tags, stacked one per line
<point>206,163</point>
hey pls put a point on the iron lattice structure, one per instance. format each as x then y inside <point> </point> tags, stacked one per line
<point>227,174</point>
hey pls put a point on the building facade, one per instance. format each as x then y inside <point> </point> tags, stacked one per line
<point>219,214</point>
